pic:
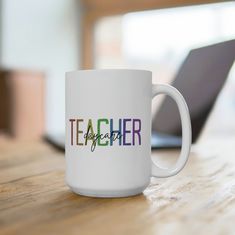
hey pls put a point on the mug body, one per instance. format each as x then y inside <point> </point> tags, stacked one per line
<point>108,130</point>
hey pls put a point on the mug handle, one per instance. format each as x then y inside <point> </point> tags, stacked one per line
<point>158,171</point>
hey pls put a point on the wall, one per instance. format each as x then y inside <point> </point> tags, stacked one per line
<point>43,35</point>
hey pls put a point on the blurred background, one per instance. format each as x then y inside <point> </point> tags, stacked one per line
<point>41,40</point>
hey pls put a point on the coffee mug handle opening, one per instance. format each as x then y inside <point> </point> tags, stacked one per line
<point>158,171</point>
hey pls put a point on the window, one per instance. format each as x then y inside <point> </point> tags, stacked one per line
<point>158,40</point>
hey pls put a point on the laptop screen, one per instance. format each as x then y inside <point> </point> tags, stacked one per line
<point>200,79</point>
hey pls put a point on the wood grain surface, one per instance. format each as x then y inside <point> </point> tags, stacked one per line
<point>35,200</point>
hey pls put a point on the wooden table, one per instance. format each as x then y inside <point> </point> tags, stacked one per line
<point>35,200</point>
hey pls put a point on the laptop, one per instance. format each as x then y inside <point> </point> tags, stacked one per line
<point>200,80</point>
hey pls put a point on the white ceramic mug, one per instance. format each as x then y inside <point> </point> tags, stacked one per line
<point>108,131</point>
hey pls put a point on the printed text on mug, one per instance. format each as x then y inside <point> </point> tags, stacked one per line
<point>104,132</point>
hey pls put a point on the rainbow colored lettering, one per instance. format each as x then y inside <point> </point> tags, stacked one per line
<point>105,132</point>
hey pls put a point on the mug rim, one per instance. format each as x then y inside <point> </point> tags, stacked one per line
<point>74,72</point>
